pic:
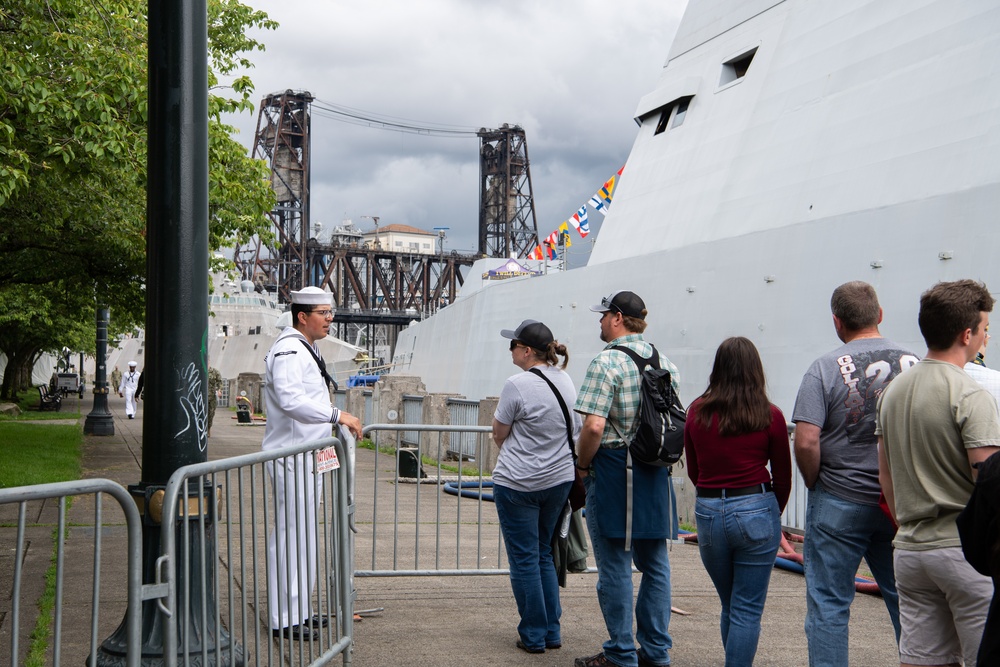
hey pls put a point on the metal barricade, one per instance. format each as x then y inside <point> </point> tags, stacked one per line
<point>75,568</point>
<point>411,528</point>
<point>413,413</point>
<point>369,406</point>
<point>794,516</point>
<point>463,412</point>
<point>236,519</point>
<point>340,399</point>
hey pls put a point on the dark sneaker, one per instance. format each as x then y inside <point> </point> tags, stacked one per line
<point>599,660</point>
<point>529,649</point>
<point>646,663</point>
<point>553,645</point>
<point>296,632</point>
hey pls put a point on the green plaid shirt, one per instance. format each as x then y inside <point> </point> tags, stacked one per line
<point>611,388</point>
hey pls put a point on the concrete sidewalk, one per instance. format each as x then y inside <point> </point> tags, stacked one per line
<point>435,620</point>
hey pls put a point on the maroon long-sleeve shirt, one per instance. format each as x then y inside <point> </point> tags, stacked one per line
<point>732,462</point>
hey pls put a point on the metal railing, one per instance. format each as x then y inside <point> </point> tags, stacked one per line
<point>75,568</point>
<point>413,413</point>
<point>250,548</point>
<point>463,412</point>
<point>794,516</point>
<point>414,529</point>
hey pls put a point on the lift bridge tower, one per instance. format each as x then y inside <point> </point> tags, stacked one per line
<point>283,141</point>
<point>507,226</point>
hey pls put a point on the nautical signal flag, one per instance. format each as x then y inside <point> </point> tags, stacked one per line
<point>564,232</point>
<point>600,202</point>
<point>602,198</point>
<point>579,221</point>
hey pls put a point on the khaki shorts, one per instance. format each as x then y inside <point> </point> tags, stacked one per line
<point>943,604</point>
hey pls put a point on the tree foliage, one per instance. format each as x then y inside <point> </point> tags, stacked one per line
<point>73,164</point>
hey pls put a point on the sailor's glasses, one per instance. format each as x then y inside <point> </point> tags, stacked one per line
<point>323,313</point>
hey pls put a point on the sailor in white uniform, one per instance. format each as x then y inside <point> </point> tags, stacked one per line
<point>298,411</point>
<point>127,389</point>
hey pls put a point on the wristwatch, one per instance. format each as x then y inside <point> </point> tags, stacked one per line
<point>580,467</point>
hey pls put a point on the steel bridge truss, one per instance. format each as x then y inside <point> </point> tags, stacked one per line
<point>283,140</point>
<point>507,226</point>
<point>381,287</point>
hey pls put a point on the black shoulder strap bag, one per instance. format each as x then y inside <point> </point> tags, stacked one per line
<point>578,492</point>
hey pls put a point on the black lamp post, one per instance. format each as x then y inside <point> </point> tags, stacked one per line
<point>99,421</point>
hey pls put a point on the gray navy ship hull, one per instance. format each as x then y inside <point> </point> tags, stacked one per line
<point>860,143</point>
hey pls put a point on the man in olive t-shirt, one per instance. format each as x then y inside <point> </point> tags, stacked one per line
<point>934,425</point>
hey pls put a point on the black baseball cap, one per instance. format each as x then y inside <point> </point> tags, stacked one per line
<point>532,333</point>
<point>626,303</point>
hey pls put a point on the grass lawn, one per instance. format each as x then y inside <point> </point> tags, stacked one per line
<point>39,453</point>
<point>28,402</point>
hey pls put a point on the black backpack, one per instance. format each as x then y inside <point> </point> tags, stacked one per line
<point>659,435</point>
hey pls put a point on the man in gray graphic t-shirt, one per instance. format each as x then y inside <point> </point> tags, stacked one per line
<point>837,454</point>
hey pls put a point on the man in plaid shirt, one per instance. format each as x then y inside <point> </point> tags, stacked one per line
<point>609,403</point>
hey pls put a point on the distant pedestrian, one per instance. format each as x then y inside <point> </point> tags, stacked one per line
<point>837,453</point>
<point>128,388</point>
<point>116,379</point>
<point>533,476</point>
<point>738,458</point>
<point>628,523</point>
<point>935,425</point>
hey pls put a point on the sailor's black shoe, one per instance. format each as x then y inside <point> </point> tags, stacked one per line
<point>295,632</point>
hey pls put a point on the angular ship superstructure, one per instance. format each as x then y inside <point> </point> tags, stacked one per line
<point>787,148</point>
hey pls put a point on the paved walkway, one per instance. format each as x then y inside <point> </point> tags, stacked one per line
<point>431,621</point>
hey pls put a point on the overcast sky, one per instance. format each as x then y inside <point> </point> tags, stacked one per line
<point>570,72</point>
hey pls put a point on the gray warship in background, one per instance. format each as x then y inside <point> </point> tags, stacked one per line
<point>787,148</point>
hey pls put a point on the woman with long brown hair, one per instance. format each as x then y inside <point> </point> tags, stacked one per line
<point>731,434</point>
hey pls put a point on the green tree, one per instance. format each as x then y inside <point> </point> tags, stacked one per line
<point>73,166</point>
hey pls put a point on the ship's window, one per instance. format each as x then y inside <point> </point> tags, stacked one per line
<point>682,109</point>
<point>661,125</point>
<point>676,110</point>
<point>736,69</point>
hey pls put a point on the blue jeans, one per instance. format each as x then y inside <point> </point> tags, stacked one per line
<point>614,593</point>
<point>838,534</point>
<point>528,520</point>
<point>738,539</point>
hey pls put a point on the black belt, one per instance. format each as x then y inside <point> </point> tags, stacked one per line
<point>732,493</point>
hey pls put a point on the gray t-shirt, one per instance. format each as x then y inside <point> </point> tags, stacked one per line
<point>838,394</point>
<point>536,456</point>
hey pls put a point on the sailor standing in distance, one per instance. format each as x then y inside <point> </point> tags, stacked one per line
<point>298,404</point>
<point>127,388</point>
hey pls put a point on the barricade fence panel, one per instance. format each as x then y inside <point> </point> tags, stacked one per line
<point>413,413</point>
<point>259,559</point>
<point>412,526</point>
<point>464,445</point>
<point>794,516</point>
<point>80,624</point>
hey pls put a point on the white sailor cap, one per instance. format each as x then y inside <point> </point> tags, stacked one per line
<point>312,296</point>
<point>131,363</point>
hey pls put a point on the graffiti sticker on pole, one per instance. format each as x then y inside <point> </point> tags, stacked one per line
<point>326,460</point>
